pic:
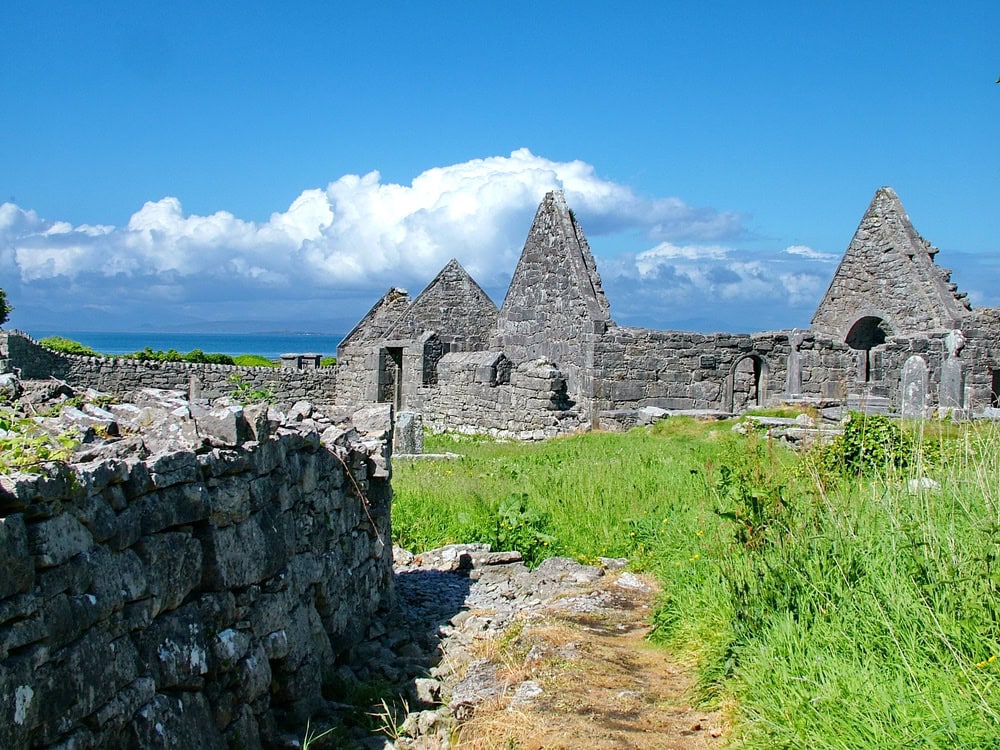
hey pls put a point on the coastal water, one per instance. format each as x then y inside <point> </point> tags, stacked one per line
<point>270,345</point>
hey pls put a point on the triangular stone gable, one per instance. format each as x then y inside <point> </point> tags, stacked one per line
<point>888,272</point>
<point>377,322</point>
<point>454,306</point>
<point>555,308</point>
<point>556,280</point>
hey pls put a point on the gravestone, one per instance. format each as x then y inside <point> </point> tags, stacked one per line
<point>793,377</point>
<point>951,395</point>
<point>914,387</point>
<point>408,436</point>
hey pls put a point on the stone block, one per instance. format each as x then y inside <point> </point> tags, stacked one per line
<point>80,678</point>
<point>18,569</point>
<point>247,552</point>
<point>627,390</point>
<point>224,426</point>
<point>173,468</point>
<point>56,540</point>
<point>20,707</point>
<point>174,506</point>
<point>118,578</point>
<point>229,500</point>
<point>175,648</point>
<point>182,720</point>
<point>172,564</point>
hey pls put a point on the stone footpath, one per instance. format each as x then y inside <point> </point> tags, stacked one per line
<point>490,654</point>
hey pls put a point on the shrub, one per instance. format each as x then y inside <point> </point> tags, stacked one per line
<point>196,356</point>
<point>247,394</point>
<point>67,346</point>
<point>751,488</point>
<point>25,447</point>
<point>5,309</point>
<point>519,526</point>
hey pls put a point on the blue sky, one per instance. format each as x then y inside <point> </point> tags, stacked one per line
<point>251,166</point>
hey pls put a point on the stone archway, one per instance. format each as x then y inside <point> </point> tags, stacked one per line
<point>747,383</point>
<point>864,335</point>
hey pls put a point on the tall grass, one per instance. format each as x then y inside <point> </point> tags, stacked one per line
<point>830,601</point>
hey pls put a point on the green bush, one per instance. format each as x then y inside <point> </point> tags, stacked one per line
<point>67,346</point>
<point>25,447</point>
<point>196,356</point>
<point>870,443</point>
<point>247,393</point>
<point>5,309</point>
<point>328,362</point>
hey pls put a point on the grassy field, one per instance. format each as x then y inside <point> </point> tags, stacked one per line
<point>826,598</point>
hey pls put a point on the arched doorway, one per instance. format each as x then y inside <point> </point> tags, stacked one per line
<point>747,383</point>
<point>864,335</point>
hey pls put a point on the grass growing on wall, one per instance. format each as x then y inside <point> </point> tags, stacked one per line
<point>827,599</point>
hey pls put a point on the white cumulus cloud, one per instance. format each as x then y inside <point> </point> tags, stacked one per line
<point>803,251</point>
<point>357,232</point>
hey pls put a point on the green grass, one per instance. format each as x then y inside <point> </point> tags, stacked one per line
<point>253,360</point>
<point>832,608</point>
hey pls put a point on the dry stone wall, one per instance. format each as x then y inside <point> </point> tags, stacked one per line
<point>479,393</point>
<point>192,598</point>
<point>124,377</point>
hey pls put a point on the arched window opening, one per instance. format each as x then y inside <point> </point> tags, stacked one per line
<point>867,333</point>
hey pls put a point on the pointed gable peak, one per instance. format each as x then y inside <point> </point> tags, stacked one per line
<point>452,304</point>
<point>888,271</point>
<point>453,265</point>
<point>556,270</point>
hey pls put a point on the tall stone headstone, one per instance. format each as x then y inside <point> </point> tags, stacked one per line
<point>913,388</point>
<point>408,434</point>
<point>793,377</point>
<point>951,395</point>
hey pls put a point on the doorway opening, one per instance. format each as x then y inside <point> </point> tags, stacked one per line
<point>390,376</point>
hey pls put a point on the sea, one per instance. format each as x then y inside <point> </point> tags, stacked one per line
<point>269,345</point>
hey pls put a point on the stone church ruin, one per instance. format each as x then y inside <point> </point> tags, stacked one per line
<point>892,333</point>
<point>203,570</point>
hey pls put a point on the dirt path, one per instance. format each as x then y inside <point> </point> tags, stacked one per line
<point>579,673</point>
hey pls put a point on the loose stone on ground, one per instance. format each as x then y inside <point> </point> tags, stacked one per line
<point>491,654</point>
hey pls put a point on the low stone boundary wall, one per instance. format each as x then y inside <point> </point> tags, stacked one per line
<point>192,598</point>
<point>470,398</point>
<point>123,377</point>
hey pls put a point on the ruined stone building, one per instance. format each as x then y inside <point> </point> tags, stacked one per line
<point>892,333</point>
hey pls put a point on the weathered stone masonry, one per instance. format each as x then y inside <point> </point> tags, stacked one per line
<point>193,598</point>
<point>892,333</point>
<point>123,377</point>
